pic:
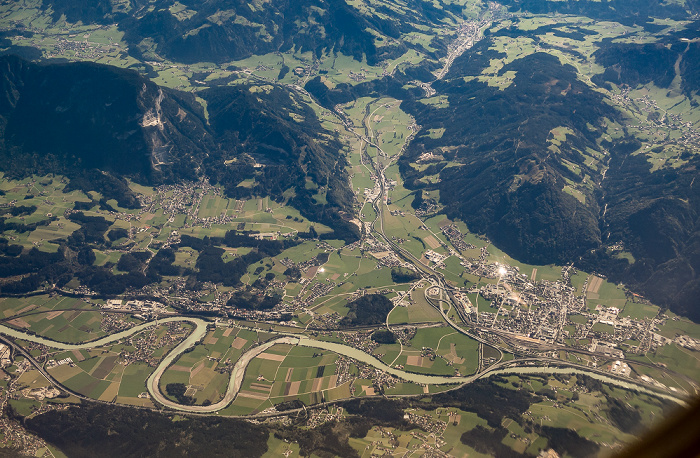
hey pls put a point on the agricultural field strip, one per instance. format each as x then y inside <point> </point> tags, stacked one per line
<point>280,365</point>
<point>239,369</point>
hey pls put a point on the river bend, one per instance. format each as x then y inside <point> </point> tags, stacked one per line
<point>239,368</point>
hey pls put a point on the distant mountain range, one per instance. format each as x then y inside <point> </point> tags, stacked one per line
<point>627,12</point>
<point>226,30</point>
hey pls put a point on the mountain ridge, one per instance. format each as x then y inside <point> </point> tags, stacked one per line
<point>229,30</point>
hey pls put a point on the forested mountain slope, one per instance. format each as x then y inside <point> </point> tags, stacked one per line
<point>221,31</point>
<point>79,118</point>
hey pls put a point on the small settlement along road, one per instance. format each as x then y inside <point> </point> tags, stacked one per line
<point>377,228</point>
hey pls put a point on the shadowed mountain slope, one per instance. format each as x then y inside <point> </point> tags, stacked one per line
<point>80,118</point>
<point>65,117</point>
<point>226,30</point>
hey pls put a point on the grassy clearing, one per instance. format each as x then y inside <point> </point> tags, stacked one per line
<point>639,311</point>
<point>205,368</point>
<point>683,360</point>
<point>110,373</point>
<point>419,310</point>
<point>679,326</point>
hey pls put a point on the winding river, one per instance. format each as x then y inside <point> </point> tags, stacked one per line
<point>239,368</point>
<point>199,332</point>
